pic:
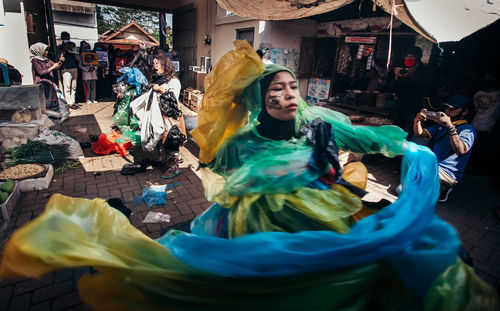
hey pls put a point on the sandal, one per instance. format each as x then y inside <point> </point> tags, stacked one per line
<point>173,175</point>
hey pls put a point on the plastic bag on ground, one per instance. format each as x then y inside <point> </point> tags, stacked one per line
<point>154,195</point>
<point>51,137</point>
<point>106,144</point>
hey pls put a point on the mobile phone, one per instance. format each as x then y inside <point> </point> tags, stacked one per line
<point>432,115</point>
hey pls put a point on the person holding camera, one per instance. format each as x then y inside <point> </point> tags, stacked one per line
<point>412,82</point>
<point>451,139</point>
<point>43,72</point>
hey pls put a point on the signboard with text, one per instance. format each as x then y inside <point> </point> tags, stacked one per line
<point>361,40</point>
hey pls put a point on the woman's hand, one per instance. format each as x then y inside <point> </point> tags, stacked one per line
<point>55,66</point>
<point>157,88</point>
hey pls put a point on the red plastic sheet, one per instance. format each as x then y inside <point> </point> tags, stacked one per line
<point>106,145</point>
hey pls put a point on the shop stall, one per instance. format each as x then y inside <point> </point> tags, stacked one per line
<point>345,65</point>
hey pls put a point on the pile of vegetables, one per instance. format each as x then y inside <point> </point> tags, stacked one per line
<point>37,152</point>
<point>6,189</point>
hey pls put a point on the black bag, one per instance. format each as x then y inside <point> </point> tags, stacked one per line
<point>169,106</point>
<point>132,169</point>
<point>174,139</point>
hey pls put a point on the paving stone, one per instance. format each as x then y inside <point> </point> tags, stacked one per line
<point>480,254</point>
<point>20,303</point>
<point>6,295</point>
<point>32,284</point>
<point>52,291</point>
<point>67,301</point>
<point>44,306</point>
<point>63,275</point>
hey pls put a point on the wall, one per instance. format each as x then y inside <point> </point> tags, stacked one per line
<point>14,47</point>
<point>80,25</point>
<point>225,34</point>
<point>287,35</point>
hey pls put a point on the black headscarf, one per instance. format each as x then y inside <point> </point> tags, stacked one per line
<point>270,127</point>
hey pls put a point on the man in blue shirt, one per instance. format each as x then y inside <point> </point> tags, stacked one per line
<point>451,139</point>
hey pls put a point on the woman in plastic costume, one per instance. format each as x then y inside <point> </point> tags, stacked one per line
<point>291,241</point>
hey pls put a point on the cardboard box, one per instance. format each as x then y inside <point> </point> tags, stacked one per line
<point>8,206</point>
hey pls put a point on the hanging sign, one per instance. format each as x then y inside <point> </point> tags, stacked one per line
<point>362,40</point>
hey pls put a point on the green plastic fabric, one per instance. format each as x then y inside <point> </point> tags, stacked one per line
<point>459,288</point>
<point>265,182</point>
<point>128,126</point>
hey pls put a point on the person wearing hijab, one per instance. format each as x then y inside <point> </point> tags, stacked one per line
<point>289,246</point>
<point>43,70</point>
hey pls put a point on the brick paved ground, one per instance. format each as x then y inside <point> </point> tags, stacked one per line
<point>469,210</point>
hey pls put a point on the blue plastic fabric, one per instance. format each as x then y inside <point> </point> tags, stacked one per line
<point>134,77</point>
<point>407,231</point>
<point>154,195</point>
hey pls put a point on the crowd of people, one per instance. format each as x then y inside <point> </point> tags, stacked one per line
<point>456,122</point>
<point>84,80</point>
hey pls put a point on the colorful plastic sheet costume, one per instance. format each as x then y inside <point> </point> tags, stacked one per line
<point>401,258</point>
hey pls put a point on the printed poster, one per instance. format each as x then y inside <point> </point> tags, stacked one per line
<point>120,62</point>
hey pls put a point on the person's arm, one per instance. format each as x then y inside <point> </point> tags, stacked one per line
<point>418,130</point>
<point>42,69</point>
<point>159,89</point>
<point>458,146</point>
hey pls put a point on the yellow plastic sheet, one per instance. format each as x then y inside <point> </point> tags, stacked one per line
<point>135,272</point>
<point>220,115</point>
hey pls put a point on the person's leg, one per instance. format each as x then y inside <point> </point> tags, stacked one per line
<point>67,86</point>
<point>171,164</point>
<point>86,91</point>
<point>446,185</point>
<point>92,91</point>
<point>74,77</point>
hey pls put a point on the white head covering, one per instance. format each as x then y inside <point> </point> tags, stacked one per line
<point>37,51</point>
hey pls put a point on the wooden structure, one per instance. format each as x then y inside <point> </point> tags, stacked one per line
<point>130,37</point>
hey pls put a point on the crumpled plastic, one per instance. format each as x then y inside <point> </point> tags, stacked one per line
<point>52,137</point>
<point>169,106</point>
<point>134,77</point>
<point>107,144</point>
<point>392,260</point>
<point>310,270</point>
<point>214,124</point>
<point>175,138</point>
<point>154,195</point>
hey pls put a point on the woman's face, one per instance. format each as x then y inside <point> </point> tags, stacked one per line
<point>157,66</point>
<point>46,52</point>
<point>282,97</point>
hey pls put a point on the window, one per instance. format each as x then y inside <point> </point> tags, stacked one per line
<point>245,34</point>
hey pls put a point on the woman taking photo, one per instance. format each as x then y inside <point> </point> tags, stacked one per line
<point>43,69</point>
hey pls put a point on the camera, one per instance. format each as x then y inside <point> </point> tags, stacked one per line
<point>432,115</point>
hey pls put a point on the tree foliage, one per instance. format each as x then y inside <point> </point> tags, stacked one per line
<point>109,17</point>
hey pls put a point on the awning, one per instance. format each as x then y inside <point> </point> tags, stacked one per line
<point>280,9</point>
<point>437,20</point>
